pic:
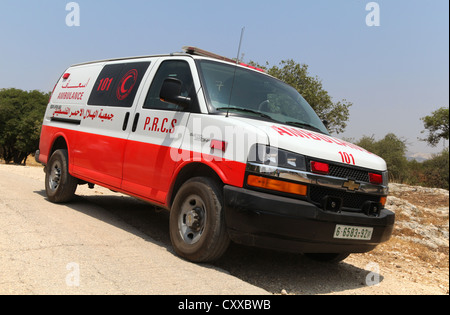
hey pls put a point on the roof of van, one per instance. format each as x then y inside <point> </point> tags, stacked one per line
<point>189,51</point>
<point>130,58</point>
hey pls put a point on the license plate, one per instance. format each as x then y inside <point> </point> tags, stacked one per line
<point>350,232</point>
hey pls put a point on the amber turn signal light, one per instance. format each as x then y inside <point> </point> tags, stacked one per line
<point>278,185</point>
<point>383,201</point>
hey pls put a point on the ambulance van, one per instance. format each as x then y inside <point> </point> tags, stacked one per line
<point>233,153</point>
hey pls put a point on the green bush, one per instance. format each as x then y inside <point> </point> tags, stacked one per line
<point>21,114</point>
<point>430,173</point>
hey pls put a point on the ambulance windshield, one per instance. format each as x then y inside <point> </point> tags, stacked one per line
<point>243,91</point>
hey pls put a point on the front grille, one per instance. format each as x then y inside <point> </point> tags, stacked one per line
<point>349,199</point>
<point>347,172</point>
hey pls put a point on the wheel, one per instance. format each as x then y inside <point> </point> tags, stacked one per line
<point>197,226</point>
<point>60,186</point>
<point>328,257</point>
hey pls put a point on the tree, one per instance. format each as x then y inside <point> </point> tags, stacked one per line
<point>21,114</point>
<point>436,170</point>
<point>431,173</point>
<point>392,150</point>
<point>437,126</point>
<point>311,88</point>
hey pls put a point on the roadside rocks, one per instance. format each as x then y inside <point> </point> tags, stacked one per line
<point>396,188</point>
<point>422,214</point>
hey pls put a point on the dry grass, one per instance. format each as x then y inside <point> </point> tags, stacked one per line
<point>30,161</point>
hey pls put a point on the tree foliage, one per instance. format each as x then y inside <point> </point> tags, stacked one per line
<point>430,173</point>
<point>335,113</point>
<point>435,172</point>
<point>21,115</point>
<point>392,150</point>
<point>437,126</point>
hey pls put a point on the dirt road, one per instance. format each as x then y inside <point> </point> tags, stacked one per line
<point>108,243</point>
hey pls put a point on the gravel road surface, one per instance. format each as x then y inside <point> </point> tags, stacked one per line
<point>107,243</point>
<point>85,247</point>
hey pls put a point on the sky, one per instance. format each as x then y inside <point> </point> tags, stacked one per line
<point>394,72</point>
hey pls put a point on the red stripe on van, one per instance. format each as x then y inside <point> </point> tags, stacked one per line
<point>149,170</point>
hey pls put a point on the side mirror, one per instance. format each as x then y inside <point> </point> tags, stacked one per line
<point>171,93</point>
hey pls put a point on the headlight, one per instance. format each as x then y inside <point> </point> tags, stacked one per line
<point>266,155</point>
<point>275,159</point>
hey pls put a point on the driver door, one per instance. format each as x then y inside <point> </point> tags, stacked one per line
<point>154,139</point>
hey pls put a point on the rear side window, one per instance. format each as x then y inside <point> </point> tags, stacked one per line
<point>117,84</point>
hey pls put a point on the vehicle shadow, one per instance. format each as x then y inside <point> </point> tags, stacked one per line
<point>293,273</point>
<point>270,270</point>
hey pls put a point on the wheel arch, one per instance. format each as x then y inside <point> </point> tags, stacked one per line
<point>59,142</point>
<point>190,170</point>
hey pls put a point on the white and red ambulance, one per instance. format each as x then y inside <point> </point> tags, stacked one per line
<point>232,152</point>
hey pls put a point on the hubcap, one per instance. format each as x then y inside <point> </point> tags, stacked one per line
<point>55,176</point>
<point>191,221</point>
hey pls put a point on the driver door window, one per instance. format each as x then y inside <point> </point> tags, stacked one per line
<point>177,69</point>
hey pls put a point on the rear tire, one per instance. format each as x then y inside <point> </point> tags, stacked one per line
<point>60,186</point>
<point>197,225</point>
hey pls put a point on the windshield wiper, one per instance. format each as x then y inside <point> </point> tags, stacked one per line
<point>246,110</point>
<point>303,125</point>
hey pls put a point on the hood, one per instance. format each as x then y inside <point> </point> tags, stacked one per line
<point>317,145</point>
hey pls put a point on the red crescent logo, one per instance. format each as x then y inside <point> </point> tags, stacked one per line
<point>122,87</point>
<point>126,84</point>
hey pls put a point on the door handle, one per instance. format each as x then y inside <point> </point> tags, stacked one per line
<point>125,121</point>
<point>135,122</point>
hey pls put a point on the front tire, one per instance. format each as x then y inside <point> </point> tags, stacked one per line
<point>197,225</point>
<point>60,186</point>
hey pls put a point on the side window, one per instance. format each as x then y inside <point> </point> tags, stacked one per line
<point>117,84</point>
<point>171,69</point>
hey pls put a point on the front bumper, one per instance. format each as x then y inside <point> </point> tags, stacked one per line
<point>276,222</point>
